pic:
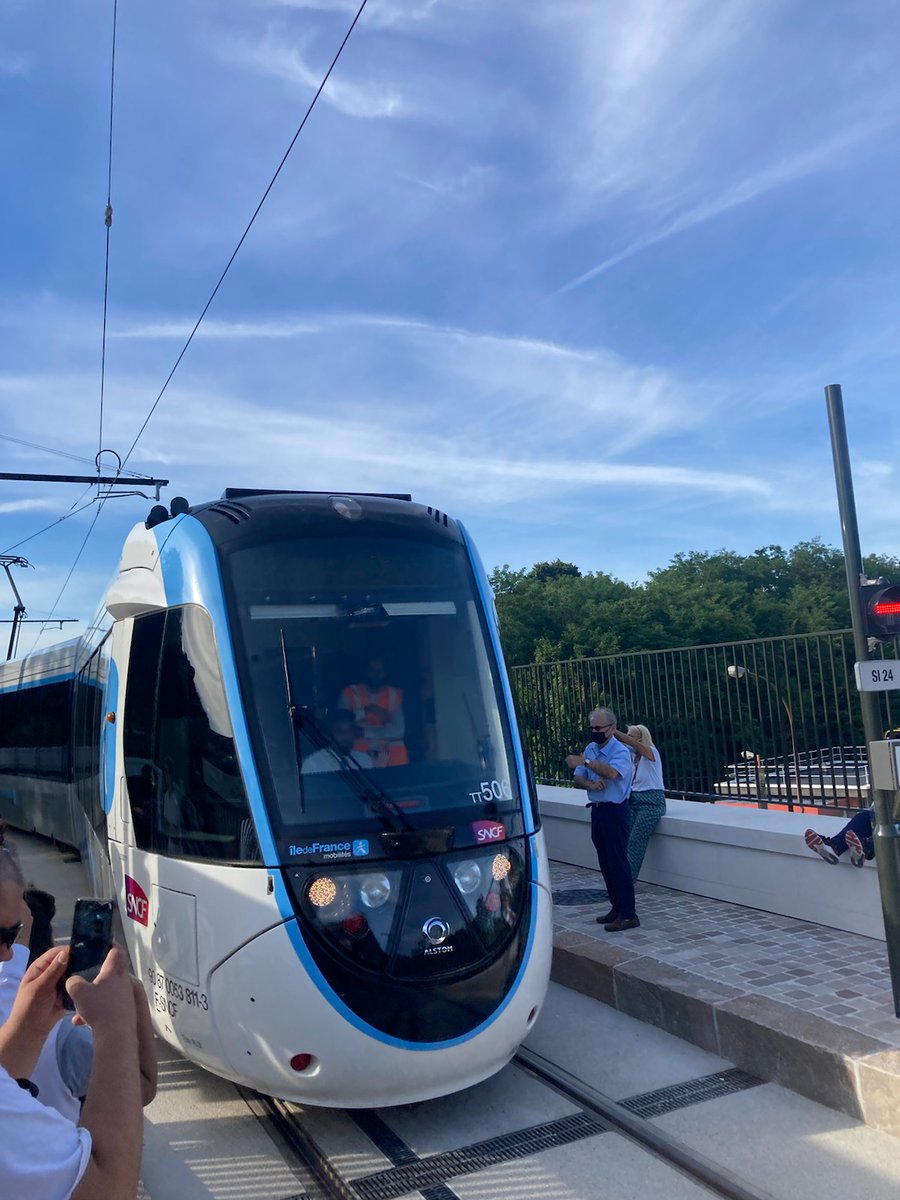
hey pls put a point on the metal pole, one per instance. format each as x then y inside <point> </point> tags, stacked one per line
<point>18,610</point>
<point>887,829</point>
<point>790,717</point>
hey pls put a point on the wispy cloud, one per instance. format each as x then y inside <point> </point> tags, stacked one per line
<point>21,506</point>
<point>340,450</point>
<point>276,58</point>
<point>541,389</point>
<point>470,414</point>
<point>829,154</point>
<point>382,12</point>
<point>651,81</point>
<point>165,330</point>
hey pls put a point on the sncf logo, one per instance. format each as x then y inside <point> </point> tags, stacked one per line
<point>136,903</point>
<point>489,831</point>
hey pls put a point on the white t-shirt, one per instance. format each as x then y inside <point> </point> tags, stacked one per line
<point>321,761</point>
<point>11,973</point>
<point>42,1155</point>
<point>648,775</point>
<point>66,1055</point>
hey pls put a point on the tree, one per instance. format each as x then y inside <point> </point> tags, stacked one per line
<point>554,612</point>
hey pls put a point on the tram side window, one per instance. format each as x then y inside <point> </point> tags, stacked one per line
<point>182,756</point>
<point>34,731</point>
<point>140,714</point>
<point>88,732</point>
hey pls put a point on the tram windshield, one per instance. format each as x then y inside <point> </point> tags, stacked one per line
<point>370,686</point>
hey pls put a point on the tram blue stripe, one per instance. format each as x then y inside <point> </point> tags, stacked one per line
<point>65,677</point>
<point>309,965</point>
<point>192,575</point>
<point>487,602</point>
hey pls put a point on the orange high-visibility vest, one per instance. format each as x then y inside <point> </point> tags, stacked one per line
<point>386,751</point>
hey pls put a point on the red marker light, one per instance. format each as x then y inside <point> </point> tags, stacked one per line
<point>300,1062</point>
<point>355,924</point>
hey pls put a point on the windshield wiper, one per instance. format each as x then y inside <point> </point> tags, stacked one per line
<point>292,715</point>
<point>369,792</point>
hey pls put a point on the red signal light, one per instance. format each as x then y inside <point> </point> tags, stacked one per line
<point>881,609</point>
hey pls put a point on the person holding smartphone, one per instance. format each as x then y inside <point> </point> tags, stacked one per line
<point>64,1065</point>
<point>44,1156</point>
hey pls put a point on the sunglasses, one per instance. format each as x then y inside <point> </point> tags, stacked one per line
<point>9,933</point>
<point>600,728</point>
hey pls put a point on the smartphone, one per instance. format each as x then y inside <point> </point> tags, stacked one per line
<point>90,941</point>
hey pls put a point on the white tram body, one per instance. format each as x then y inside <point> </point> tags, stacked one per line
<point>353,927</point>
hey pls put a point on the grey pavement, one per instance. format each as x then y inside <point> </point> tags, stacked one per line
<point>801,1003</point>
<point>202,1143</point>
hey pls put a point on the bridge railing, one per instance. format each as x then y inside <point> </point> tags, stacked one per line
<point>772,721</point>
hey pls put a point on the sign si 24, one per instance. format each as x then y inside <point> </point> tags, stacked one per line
<point>880,675</point>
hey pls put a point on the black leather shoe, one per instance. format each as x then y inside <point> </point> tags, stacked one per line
<point>610,916</point>
<point>622,923</point>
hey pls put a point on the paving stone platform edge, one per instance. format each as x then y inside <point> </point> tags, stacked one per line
<point>841,1068</point>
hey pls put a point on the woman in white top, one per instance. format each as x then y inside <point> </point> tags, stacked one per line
<point>647,802</point>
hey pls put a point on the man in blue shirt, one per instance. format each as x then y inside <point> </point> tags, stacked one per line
<point>605,771</point>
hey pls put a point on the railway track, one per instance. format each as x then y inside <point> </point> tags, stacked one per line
<point>430,1175</point>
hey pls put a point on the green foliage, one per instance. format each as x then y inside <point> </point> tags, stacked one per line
<point>554,612</point>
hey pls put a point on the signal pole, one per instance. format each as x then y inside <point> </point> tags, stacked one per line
<point>887,828</point>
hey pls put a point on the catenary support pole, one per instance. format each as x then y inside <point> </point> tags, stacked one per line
<point>887,826</point>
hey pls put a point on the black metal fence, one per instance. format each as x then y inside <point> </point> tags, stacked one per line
<point>770,721</point>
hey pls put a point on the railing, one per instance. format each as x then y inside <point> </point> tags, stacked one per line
<point>769,721</point>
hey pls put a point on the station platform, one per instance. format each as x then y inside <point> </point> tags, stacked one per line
<point>800,1004</point>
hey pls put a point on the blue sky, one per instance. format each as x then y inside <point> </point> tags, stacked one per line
<point>575,272</point>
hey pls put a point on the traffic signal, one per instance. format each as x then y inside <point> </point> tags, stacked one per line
<point>881,609</point>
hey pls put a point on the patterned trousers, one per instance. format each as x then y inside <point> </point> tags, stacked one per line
<point>644,810</point>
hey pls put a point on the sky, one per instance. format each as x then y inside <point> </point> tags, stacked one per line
<point>574,271</point>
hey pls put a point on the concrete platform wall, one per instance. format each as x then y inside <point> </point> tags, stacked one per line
<point>748,856</point>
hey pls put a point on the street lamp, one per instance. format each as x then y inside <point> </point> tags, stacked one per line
<point>735,671</point>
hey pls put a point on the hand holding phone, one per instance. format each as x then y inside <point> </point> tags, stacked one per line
<point>90,941</point>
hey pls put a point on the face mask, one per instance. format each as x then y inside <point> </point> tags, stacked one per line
<point>599,738</point>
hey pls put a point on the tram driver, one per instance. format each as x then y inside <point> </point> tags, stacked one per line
<point>377,707</point>
<point>340,755</point>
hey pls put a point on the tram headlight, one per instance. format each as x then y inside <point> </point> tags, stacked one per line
<point>467,877</point>
<point>500,867</point>
<point>322,892</point>
<point>375,890</point>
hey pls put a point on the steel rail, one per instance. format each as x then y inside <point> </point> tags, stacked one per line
<point>280,1120</point>
<point>285,1127</point>
<point>639,1129</point>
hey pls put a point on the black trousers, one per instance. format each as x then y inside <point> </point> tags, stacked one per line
<point>609,833</point>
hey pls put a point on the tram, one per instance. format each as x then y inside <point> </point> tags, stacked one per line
<point>287,746</point>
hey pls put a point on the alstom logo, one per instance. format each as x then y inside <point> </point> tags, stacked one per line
<point>136,903</point>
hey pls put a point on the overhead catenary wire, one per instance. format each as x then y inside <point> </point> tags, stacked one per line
<point>84,541</point>
<point>206,306</point>
<point>61,453</point>
<point>73,512</point>
<point>108,222</point>
<point>243,236</point>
